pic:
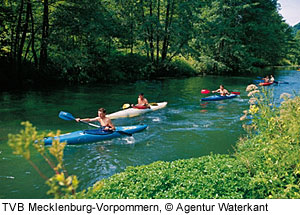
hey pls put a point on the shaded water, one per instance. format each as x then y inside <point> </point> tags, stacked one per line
<point>186,128</point>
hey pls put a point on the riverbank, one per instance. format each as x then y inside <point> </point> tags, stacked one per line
<point>120,68</point>
<point>265,165</point>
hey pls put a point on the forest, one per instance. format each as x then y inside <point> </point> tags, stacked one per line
<point>79,42</point>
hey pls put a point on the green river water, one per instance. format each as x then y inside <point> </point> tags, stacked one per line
<point>186,128</point>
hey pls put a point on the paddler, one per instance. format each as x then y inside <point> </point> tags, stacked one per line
<point>266,79</point>
<point>222,91</point>
<point>142,102</point>
<point>272,79</point>
<point>102,119</point>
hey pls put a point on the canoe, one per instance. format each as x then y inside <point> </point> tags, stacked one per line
<point>265,84</point>
<point>218,97</point>
<point>132,112</point>
<point>95,135</point>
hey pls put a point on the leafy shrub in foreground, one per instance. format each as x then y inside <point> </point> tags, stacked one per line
<point>213,176</point>
<point>272,151</point>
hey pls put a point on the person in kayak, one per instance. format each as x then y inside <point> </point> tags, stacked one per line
<point>272,79</point>
<point>104,121</point>
<point>266,79</point>
<point>142,102</point>
<point>222,91</point>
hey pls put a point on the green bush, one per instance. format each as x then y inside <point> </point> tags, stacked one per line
<point>177,68</point>
<point>272,151</point>
<point>213,176</point>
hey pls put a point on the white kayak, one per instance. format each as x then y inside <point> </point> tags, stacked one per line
<point>132,112</point>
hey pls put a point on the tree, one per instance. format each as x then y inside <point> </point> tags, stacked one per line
<point>237,35</point>
<point>45,35</point>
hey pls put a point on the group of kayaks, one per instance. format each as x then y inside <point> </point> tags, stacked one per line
<point>259,82</point>
<point>96,135</point>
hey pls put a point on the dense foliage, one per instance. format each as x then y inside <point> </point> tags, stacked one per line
<point>214,176</point>
<point>236,36</point>
<point>91,40</point>
<point>296,28</point>
<point>294,51</point>
<point>266,164</point>
<point>272,152</point>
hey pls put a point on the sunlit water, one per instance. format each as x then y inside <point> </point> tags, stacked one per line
<point>186,128</point>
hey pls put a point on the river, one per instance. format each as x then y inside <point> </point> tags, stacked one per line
<point>186,128</point>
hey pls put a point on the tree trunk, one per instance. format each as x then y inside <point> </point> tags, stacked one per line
<point>151,34</point>
<point>165,42</point>
<point>18,29</point>
<point>131,34</point>
<point>145,31</point>
<point>44,42</point>
<point>12,33</point>
<point>33,38</point>
<point>170,23</point>
<point>23,38</point>
<point>157,32</point>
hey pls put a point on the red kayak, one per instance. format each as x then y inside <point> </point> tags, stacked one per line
<point>265,83</point>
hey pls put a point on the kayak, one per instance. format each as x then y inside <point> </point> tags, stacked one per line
<point>132,112</point>
<point>265,84</point>
<point>275,82</point>
<point>218,97</point>
<point>95,135</point>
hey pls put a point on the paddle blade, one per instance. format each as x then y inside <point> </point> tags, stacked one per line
<point>153,104</point>
<point>66,116</point>
<point>125,106</point>
<point>205,91</point>
<point>125,133</point>
<point>236,93</point>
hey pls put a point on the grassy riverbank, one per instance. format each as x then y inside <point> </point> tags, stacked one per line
<point>266,164</point>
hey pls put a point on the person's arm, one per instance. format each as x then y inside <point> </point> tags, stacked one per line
<point>216,91</point>
<point>87,119</point>
<point>110,124</point>
<point>146,102</point>
<point>226,92</point>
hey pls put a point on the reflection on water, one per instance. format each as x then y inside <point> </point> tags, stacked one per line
<point>186,128</point>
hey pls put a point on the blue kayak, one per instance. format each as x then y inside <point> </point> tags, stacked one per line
<point>95,135</point>
<point>218,97</point>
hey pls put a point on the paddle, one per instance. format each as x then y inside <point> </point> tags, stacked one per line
<point>204,91</point>
<point>67,116</point>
